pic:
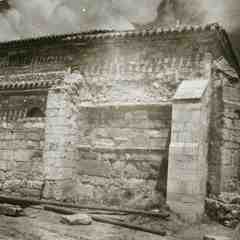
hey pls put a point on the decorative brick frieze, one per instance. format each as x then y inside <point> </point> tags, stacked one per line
<point>30,80</point>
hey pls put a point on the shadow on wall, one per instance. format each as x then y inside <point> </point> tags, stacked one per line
<point>161,185</point>
<point>35,112</point>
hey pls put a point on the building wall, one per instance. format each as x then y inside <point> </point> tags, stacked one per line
<point>21,143</point>
<point>90,129</point>
<point>21,158</point>
<point>224,152</point>
<point>116,156</point>
<point>16,106</point>
<point>123,152</point>
<point>230,148</point>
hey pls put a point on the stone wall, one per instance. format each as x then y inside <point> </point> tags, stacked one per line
<point>171,55</point>
<point>230,149</point>
<point>107,128</point>
<point>188,151</point>
<point>17,106</point>
<point>214,159</point>
<point>122,153</point>
<point>22,134</point>
<point>61,137</point>
<point>21,158</point>
<point>224,154</point>
<point>140,72</point>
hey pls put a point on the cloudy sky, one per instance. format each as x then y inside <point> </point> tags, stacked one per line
<point>27,18</point>
<point>24,18</point>
<point>225,12</point>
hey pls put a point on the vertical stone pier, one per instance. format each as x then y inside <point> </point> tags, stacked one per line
<point>187,167</point>
<point>60,143</point>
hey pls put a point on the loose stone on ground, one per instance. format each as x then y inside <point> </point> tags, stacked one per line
<point>77,219</point>
<point>11,210</point>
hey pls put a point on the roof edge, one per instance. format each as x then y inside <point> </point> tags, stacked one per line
<point>103,34</point>
<point>229,51</point>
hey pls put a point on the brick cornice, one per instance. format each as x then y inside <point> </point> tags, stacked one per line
<point>30,81</point>
<point>110,34</point>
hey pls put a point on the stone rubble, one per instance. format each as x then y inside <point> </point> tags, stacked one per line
<point>225,210</point>
<point>77,219</point>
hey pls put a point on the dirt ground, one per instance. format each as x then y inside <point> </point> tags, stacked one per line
<point>43,225</point>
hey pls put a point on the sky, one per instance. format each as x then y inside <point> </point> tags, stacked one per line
<point>190,12</point>
<point>25,18</point>
<point>29,18</point>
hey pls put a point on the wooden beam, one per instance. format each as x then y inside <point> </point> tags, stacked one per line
<point>30,201</point>
<point>107,220</point>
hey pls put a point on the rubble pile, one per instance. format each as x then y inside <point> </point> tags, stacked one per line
<point>224,209</point>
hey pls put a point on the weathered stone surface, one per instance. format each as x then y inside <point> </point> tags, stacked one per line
<point>123,145</point>
<point>106,118</point>
<point>21,156</point>
<point>77,219</point>
<point>191,89</point>
<point>188,152</point>
<point>224,150</point>
<point>225,213</point>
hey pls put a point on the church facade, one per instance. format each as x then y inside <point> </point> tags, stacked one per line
<point>120,117</point>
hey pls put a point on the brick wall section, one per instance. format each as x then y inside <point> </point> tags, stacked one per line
<point>21,158</point>
<point>149,54</point>
<point>230,149</point>
<point>22,135</point>
<point>15,106</point>
<point>122,153</point>
<point>21,144</point>
<point>130,126</point>
<point>214,159</point>
<point>224,154</point>
<point>131,69</point>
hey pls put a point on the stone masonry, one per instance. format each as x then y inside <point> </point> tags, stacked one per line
<point>125,147</point>
<point>121,118</point>
<point>188,151</point>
